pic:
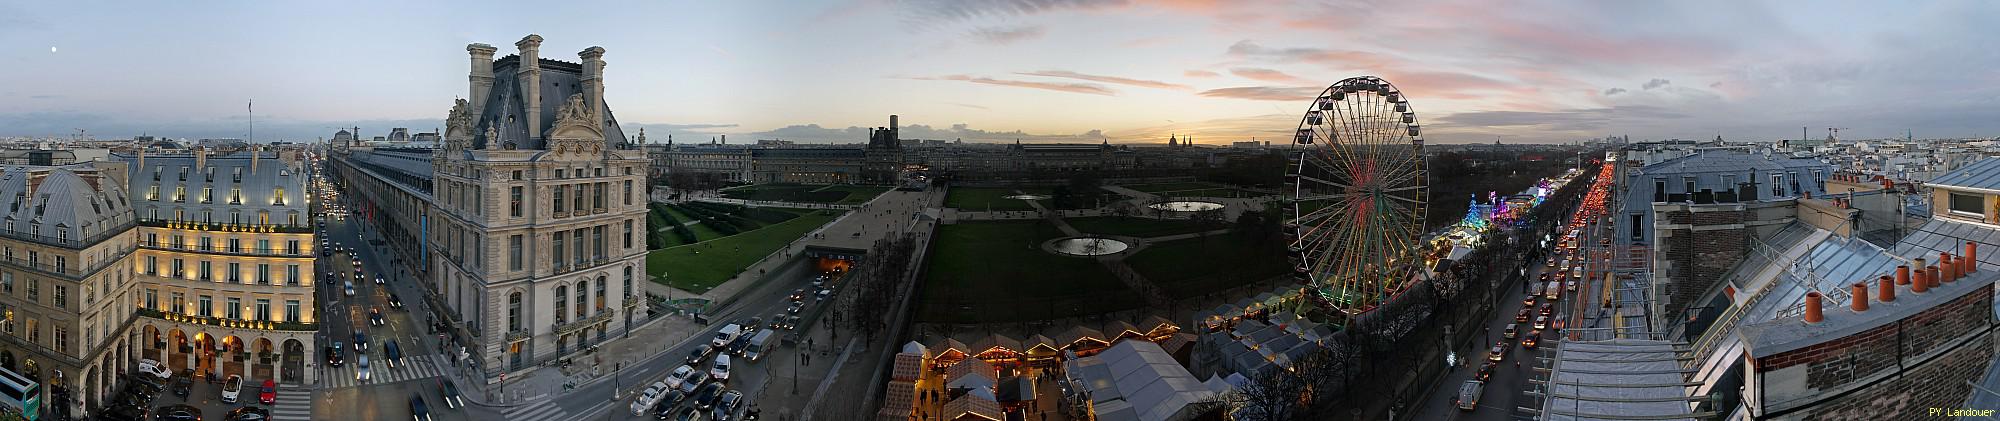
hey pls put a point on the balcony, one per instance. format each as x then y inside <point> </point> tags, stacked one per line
<point>69,272</point>
<point>518,335</point>
<point>239,251</point>
<point>250,228</point>
<point>229,323</point>
<point>567,328</point>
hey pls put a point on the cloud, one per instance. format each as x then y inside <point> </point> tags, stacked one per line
<point>972,106</point>
<point>926,11</point>
<point>1655,83</point>
<point>1199,73</point>
<point>1264,93</point>
<point>1266,75</point>
<point>1077,88</point>
<point>1614,91</point>
<point>1008,35</point>
<point>1341,59</point>
<point>661,132</point>
<point>1106,79</point>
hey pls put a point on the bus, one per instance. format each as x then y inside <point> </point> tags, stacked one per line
<point>20,395</point>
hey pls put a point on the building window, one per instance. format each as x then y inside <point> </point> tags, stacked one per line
<point>236,195</point>
<point>292,311</point>
<point>514,200</point>
<point>577,206</point>
<point>292,275</point>
<point>207,195</point>
<point>628,281</point>
<point>235,309</point>
<point>1687,185</point>
<point>1968,204</point>
<point>292,246</point>
<point>235,273</point>
<point>562,304</point>
<point>514,252</point>
<point>514,312</point>
<point>180,193</point>
<point>62,296</point>
<point>517,175</point>
<point>263,274</point>
<point>235,245</point>
<point>206,305</point>
<point>278,197</point>
<point>597,195</point>
<point>207,244</point>
<point>1777,185</point>
<point>560,256</point>
<point>153,299</point>
<point>597,242</point>
<point>179,269</point>
<point>628,234</point>
<point>560,203</point>
<point>600,294</point>
<point>628,192</point>
<point>152,265</point>
<point>153,192</point>
<point>202,271</point>
<point>582,300</point>
<point>263,310</point>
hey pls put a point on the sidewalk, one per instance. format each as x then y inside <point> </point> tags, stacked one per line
<point>543,381</point>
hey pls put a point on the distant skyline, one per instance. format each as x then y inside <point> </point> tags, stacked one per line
<point>1035,70</point>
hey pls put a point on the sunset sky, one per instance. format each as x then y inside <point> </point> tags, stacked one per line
<point>1037,70</point>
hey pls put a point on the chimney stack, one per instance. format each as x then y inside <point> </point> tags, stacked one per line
<point>593,80</point>
<point>1886,288</point>
<point>1859,300</point>
<point>529,76</point>
<point>894,132</point>
<point>1902,274</point>
<point>200,158</point>
<point>1971,257</point>
<point>1946,267</point>
<point>1813,314</point>
<point>255,153</point>
<point>481,77</point>
<point>1923,283</point>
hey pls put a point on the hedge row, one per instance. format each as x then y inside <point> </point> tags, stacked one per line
<point>722,222</point>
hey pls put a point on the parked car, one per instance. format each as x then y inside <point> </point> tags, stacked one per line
<point>181,412</point>
<point>155,368</point>
<point>247,413</point>
<point>185,384</point>
<point>232,388</point>
<point>688,414</point>
<point>448,393</point>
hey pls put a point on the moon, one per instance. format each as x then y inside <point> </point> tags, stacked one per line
<point>52,49</point>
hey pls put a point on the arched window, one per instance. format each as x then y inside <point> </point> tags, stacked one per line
<point>562,303</point>
<point>600,294</point>
<point>514,311</point>
<point>582,298</point>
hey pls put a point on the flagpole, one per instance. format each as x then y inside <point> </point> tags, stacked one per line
<point>252,107</point>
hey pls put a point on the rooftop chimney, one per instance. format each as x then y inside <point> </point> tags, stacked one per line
<point>1859,300</point>
<point>1923,282</point>
<point>1902,274</point>
<point>200,158</point>
<point>1946,267</point>
<point>255,153</point>
<point>1813,314</point>
<point>593,80</point>
<point>481,77</point>
<point>529,76</point>
<point>1971,257</point>
<point>1887,288</point>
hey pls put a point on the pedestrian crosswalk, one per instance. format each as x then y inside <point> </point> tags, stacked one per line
<point>411,368</point>
<point>544,410</point>
<point>292,405</point>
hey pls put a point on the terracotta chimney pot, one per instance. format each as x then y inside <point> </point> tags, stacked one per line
<point>1813,314</point>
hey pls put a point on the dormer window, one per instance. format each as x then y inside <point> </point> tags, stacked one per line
<point>41,205</point>
<point>207,195</point>
<point>278,197</point>
<point>62,233</point>
<point>236,174</point>
<point>210,174</point>
<point>184,173</point>
<point>180,193</point>
<point>156,173</point>
<point>153,192</point>
<point>235,195</point>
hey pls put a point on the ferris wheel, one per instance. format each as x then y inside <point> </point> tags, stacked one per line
<point>1356,215</point>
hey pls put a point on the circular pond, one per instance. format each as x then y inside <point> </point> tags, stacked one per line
<point>1088,246</point>
<point>1027,197</point>
<point>1186,206</point>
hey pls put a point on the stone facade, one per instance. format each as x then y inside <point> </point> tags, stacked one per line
<point>1698,248</point>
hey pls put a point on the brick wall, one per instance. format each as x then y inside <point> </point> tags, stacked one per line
<point>1938,384</point>
<point>1700,258</point>
<point>1834,365</point>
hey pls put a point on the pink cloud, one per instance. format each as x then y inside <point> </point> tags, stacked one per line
<point>1078,88</point>
<point>1344,59</point>
<point>1199,73</point>
<point>1106,79</point>
<point>1267,75</point>
<point>1265,93</point>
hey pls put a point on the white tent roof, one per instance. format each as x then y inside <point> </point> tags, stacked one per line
<point>1138,381</point>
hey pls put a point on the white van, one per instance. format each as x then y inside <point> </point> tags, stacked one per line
<point>726,335</point>
<point>1468,394</point>
<point>759,345</point>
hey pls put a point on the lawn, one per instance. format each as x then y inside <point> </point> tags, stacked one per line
<point>700,267</point>
<point>986,272</point>
<point>1161,187</point>
<point>856,194</point>
<point>1133,226</point>
<point>1196,266</point>
<point>788,193</point>
<point>980,199</point>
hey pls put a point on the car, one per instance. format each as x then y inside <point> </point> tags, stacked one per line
<point>751,325</point>
<point>699,354</point>
<point>1522,317</point>
<point>1547,309</point>
<point>375,316</point>
<point>418,412</point>
<point>794,307</point>
<point>379,281</point>
<point>181,412</point>
<point>694,382</point>
<point>333,354</point>
<point>1498,352</point>
<point>395,301</point>
<point>1509,332</point>
<point>185,384</point>
<point>1541,322</point>
<point>269,393</point>
<point>688,414</point>
<point>1534,339</point>
<point>125,412</point>
<point>232,388</point>
<point>360,342</point>
<point>673,397</point>
<point>1486,370</point>
<point>778,321</point>
<point>247,413</point>
<point>648,397</point>
<point>705,399</point>
<point>798,294</point>
<point>1468,395</point>
<point>792,322</point>
<point>155,368</point>
<point>326,253</point>
<point>151,384</point>
<point>361,368</point>
<point>725,408</point>
<point>737,346</point>
<point>130,398</point>
<point>391,353</point>
<point>721,369</point>
<point>1528,302</point>
<point>678,376</point>
<point>823,294</point>
<point>349,289</point>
